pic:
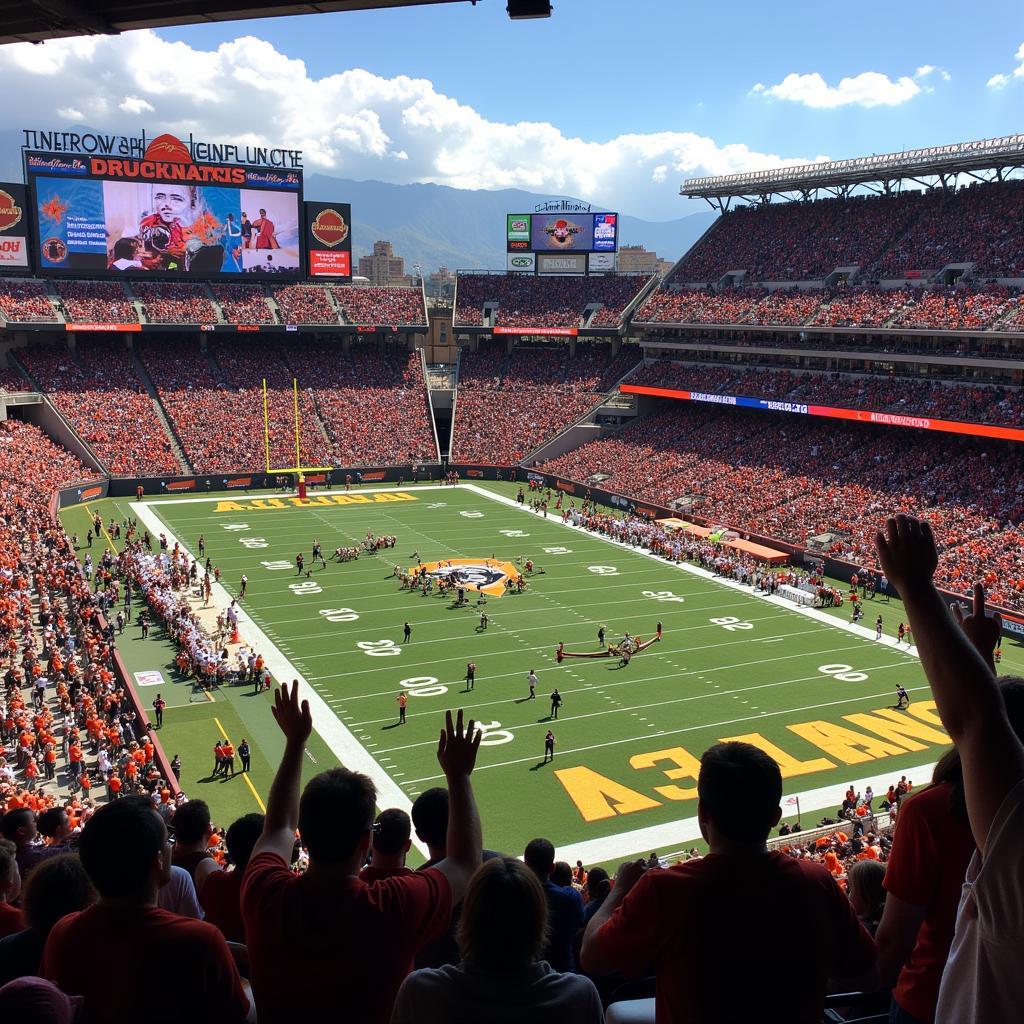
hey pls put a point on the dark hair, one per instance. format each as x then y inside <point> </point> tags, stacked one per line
<point>864,882</point>
<point>430,816</point>
<point>740,788</point>
<point>51,820</point>
<point>335,809</point>
<point>540,856</point>
<point>395,829</point>
<point>191,821</point>
<point>118,844</point>
<point>598,884</point>
<point>12,821</point>
<point>504,915</point>
<point>56,887</point>
<point>561,874</point>
<point>241,837</point>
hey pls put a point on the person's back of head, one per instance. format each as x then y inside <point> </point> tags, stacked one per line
<point>598,884</point>
<point>37,1001</point>
<point>19,826</point>
<point>864,887</point>
<point>430,817</point>
<point>739,792</point>
<point>335,812</point>
<point>57,887</point>
<point>561,873</point>
<point>191,822</point>
<point>504,916</point>
<point>124,848</point>
<point>54,824</point>
<point>393,832</point>
<point>9,887</point>
<point>241,837</point>
<point>540,857</point>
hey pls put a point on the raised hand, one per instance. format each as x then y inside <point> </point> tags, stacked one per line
<point>456,747</point>
<point>295,720</point>
<point>907,552</point>
<point>982,630</point>
<point>629,873</point>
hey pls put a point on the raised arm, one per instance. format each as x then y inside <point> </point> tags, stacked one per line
<point>282,816</point>
<point>456,752</point>
<point>964,686</point>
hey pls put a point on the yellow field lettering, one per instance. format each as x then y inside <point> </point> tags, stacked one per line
<point>314,501</point>
<point>597,797</point>
<point>688,767</point>
<point>896,726</point>
<point>844,744</point>
<point>788,764</point>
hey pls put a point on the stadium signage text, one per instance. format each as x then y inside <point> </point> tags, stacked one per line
<point>257,504</point>
<point>90,143</point>
<point>833,412</point>
<point>878,735</point>
<point>562,206</point>
<point>10,211</point>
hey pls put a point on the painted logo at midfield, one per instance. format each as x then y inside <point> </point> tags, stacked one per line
<point>485,576</point>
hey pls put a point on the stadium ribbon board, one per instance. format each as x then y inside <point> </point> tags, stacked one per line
<point>816,694</point>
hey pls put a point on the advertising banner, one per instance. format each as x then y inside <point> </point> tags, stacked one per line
<point>575,264</point>
<point>522,262</point>
<point>602,262</point>
<point>329,240</point>
<point>13,228</point>
<point>517,232</point>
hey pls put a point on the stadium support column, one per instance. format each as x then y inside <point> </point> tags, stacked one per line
<point>572,348</point>
<point>616,345</point>
<point>71,342</point>
<point>346,344</point>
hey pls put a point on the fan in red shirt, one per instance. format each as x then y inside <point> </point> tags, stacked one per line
<point>723,930</point>
<point>125,852</point>
<point>327,938</point>
<point>220,893</point>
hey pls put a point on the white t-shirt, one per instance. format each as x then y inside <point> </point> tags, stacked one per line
<point>465,994</point>
<point>983,980</point>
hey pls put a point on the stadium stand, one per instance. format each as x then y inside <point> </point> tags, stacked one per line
<point>305,304</point>
<point>175,302</point>
<point>26,302</point>
<point>1002,406</point>
<point>99,394</point>
<point>543,391</point>
<point>527,301</point>
<point>372,403</point>
<point>12,381</point>
<point>394,307</point>
<point>243,303</point>
<point>97,302</point>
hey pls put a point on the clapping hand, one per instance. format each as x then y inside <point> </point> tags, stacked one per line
<point>982,630</point>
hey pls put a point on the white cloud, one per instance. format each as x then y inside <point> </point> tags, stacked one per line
<point>351,124</point>
<point>135,105</point>
<point>868,89</point>
<point>1000,80</point>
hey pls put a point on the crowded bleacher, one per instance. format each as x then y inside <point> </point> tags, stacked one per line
<point>242,303</point>
<point>175,302</point>
<point>25,301</point>
<point>393,307</point>
<point>96,302</point>
<point>98,392</point>
<point>541,390</point>
<point>523,300</point>
<point>305,304</point>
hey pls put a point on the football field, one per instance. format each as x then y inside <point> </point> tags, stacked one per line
<point>813,691</point>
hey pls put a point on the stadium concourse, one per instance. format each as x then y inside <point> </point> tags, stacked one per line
<point>903,309</point>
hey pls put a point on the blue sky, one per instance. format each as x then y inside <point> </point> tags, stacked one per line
<point>613,101</point>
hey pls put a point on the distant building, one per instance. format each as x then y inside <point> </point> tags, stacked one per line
<point>441,283</point>
<point>383,267</point>
<point>635,259</point>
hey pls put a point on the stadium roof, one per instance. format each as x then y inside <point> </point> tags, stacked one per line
<point>918,165</point>
<point>36,20</point>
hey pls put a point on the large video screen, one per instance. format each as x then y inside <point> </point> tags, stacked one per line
<point>574,232</point>
<point>88,221</point>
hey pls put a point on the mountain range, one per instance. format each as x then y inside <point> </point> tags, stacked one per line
<point>436,225</point>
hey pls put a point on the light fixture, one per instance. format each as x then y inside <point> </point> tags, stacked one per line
<point>520,10</point>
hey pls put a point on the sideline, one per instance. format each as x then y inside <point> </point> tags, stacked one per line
<point>339,740</point>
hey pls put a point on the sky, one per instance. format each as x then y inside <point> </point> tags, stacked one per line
<point>612,102</point>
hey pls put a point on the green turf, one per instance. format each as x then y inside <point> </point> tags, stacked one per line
<point>704,681</point>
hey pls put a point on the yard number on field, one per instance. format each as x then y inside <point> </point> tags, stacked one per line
<point>253,542</point>
<point>274,566</point>
<point>843,672</point>
<point>513,533</point>
<point>603,570</point>
<point>662,595</point>
<point>379,648</point>
<point>561,551</point>
<point>472,515</point>
<point>338,614</point>
<point>423,686</point>
<point>236,526</point>
<point>730,622</point>
<point>305,587</point>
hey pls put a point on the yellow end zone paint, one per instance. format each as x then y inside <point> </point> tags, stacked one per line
<point>319,501</point>
<point>597,797</point>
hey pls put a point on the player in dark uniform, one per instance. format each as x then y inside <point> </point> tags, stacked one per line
<point>556,702</point>
<point>300,563</point>
<point>549,747</point>
<point>902,698</point>
<point>471,675</point>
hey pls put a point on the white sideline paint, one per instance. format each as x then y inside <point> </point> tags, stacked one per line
<point>672,835</point>
<point>350,752</point>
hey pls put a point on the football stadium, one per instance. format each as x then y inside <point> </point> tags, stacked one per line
<point>577,573</point>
